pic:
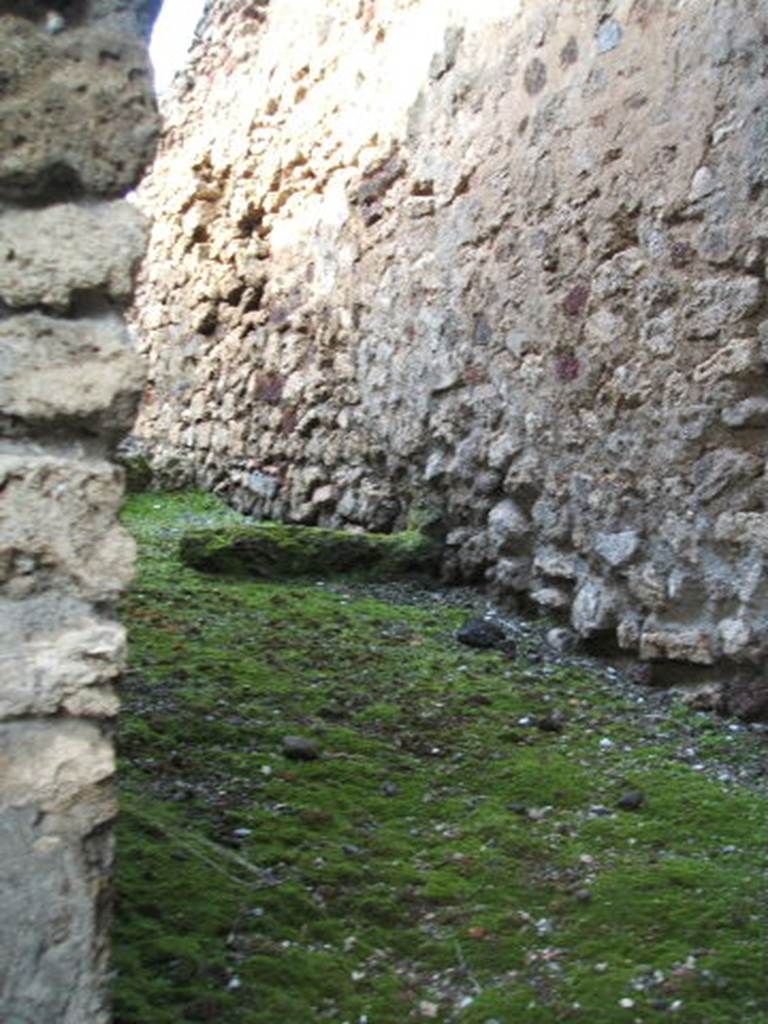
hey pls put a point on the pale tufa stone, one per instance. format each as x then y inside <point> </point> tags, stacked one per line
<point>50,764</point>
<point>718,302</point>
<point>50,257</point>
<point>83,372</point>
<point>64,672</point>
<point>95,140</point>
<point>58,521</point>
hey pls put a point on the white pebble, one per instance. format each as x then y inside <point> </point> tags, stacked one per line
<point>54,23</point>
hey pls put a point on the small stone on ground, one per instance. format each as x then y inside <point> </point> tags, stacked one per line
<point>300,748</point>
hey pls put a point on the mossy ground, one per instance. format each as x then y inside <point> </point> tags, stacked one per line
<point>435,863</point>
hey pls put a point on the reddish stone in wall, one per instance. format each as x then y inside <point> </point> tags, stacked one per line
<point>575,301</point>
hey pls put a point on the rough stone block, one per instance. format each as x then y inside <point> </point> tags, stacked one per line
<point>594,608</point>
<point>735,634</point>
<point>743,528</point>
<point>77,112</point>
<point>51,765</point>
<point>80,373</point>
<point>677,643</point>
<point>718,302</point>
<point>546,595</point>
<point>132,16</point>
<point>58,528</point>
<point>617,548</point>
<point>67,672</point>
<point>54,885</point>
<point>55,256</point>
<point>749,414</point>
<point>508,526</point>
<point>716,471</point>
<point>738,357</point>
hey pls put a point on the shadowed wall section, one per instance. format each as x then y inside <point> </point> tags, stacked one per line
<point>77,126</point>
<point>505,260</point>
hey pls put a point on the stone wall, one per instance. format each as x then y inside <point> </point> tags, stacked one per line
<point>77,126</point>
<point>503,260</point>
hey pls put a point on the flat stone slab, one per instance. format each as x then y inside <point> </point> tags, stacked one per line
<point>275,550</point>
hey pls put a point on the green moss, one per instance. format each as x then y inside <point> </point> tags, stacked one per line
<point>138,472</point>
<point>434,852</point>
<point>274,551</point>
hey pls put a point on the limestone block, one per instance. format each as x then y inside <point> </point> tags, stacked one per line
<point>512,574</point>
<point>81,372</point>
<point>77,111</point>
<point>50,257</point>
<point>507,525</point>
<point>735,635</point>
<point>617,548</point>
<point>546,595</point>
<point>52,765</point>
<point>58,525</point>
<point>716,471</point>
<point>743,528</point>
<point>738,357</point>
<point>628,632</point>
<point>751,413</point>
<point>53,877</point>
<point>677,643</point>
<point>556,563</point>
<point>63,672</point>
<point>594,608</point>
<point>718,302</point>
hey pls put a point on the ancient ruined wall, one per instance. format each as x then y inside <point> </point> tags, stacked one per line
<point>77,125</point>
<point>501,259</point>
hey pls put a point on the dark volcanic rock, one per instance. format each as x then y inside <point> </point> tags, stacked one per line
<point>632,800</point>
<point>481,633</point>
<point>553,722</point>
<point>748,700</point>
<point>300,748</point>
